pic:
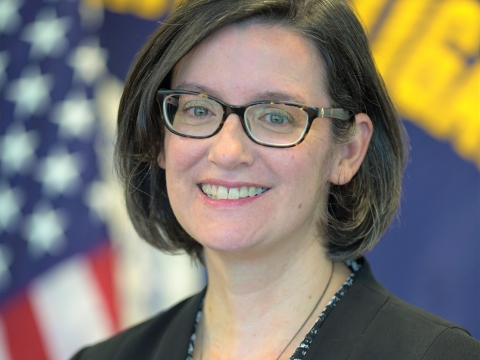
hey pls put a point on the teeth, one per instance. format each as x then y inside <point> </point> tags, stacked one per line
<point>222,193</point>
<point>233,193</point>
<point>243,192</point>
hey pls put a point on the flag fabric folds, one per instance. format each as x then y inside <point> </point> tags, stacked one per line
<point>56,261</point>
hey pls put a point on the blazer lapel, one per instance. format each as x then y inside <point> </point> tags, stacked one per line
<point>174,343</point>
<point>344,326</point>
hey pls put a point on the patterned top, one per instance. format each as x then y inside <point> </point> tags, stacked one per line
<point>308,339</point>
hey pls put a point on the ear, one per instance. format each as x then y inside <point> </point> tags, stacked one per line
<point>161,160</point>
<point>350,156</point>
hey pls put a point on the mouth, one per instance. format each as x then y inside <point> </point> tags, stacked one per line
<point>223,193</point>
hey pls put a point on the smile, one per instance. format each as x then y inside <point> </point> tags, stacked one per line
<point>223,193</point>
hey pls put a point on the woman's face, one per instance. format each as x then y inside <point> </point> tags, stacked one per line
<point>240,65</point>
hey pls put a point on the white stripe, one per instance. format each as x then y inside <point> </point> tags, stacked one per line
<point>152,281</point>
<point>4,353</point>
<point>69,308</point>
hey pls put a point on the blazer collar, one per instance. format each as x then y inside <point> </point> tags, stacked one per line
<point>176,340</point>
<point>344,326</point>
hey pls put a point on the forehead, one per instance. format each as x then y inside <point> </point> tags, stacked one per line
<point>240,62</point>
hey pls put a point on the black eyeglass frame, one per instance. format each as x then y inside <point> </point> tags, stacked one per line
<point>311,111</point>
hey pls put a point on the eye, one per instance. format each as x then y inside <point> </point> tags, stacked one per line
<point>199,108</point>
<point>198,111</point>
<point>277,118</point>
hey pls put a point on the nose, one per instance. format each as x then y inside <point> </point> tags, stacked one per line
<point>231,147</point>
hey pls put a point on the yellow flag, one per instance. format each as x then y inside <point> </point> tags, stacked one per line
<point>428,52</point>
<point>147,9</point>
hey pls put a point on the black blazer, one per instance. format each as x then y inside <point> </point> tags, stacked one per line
<point>368,323</point>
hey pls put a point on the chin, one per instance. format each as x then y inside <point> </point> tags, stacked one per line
<point>228,243</point>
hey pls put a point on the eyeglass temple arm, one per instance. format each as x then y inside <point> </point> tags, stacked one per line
<point>334,113</point>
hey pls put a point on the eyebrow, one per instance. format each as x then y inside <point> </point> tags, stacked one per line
<point>267,95</point>
<point>280,96</point>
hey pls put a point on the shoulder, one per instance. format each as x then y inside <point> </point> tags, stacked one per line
<point>393,328</point>
<point>371,323</point>
<point>166,333</point>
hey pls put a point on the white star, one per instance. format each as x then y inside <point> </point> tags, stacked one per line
<point>31,92</point>
<point>75,116</point>
<point>10,20</point>
<point>59,172</point>
<point>11,201</point>
<point>17,149</point>
<point>47,34</point>
<point>99,198</point>
<point>4,60</point>
<point>6,259</point>
<point>88,61</point>
<point>44,230</point>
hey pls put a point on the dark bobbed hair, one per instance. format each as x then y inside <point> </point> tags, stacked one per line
<point>358,212</point>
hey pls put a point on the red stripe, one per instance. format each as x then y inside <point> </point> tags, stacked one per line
<point>21,331</point>
<point>102,261</point>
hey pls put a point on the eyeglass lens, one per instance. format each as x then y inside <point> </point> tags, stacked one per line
<point>198,116</point>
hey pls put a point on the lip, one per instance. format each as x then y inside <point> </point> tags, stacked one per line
<point>231,184</point>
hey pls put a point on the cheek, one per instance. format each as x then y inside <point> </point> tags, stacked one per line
<point>181,154</point>
<point>310,166</point>
<point>183,160</point>
<point>301,170</point>
<point>321,149</point>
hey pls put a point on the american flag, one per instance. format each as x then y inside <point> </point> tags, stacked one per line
<point>56,284</point>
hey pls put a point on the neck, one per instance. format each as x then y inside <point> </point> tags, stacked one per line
<point>247,296</point>
<point>244,274</point>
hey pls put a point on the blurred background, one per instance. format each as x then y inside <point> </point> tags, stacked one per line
<point>72,270</point>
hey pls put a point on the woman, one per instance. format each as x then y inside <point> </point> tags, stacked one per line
<point>259,137</point>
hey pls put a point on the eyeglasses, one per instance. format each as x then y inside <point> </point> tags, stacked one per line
<point>270,123</point>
